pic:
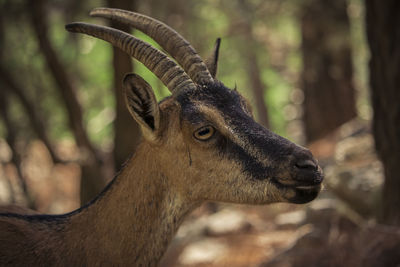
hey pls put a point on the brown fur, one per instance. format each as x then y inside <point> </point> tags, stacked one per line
<point>17,209</point>
<point>171,173</point>
<point>132,223</point>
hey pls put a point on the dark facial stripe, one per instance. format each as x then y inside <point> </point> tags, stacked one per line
<point>261,152</point>
<point>251,166</point>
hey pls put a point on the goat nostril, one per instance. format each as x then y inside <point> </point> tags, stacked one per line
<point>306,164</point>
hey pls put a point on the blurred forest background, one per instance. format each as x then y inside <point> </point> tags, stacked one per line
<point>325,74</point>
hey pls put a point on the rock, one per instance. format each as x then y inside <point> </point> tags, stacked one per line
<point>291,218</point>
<point>227,222</point>
<point>203,251</point>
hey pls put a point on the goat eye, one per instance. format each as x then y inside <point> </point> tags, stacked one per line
<point>204,133</point>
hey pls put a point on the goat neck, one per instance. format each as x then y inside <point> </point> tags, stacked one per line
<point>144,210</point>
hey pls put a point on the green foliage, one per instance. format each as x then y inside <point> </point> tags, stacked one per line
<point>88,61</point>
<point>159,89</point>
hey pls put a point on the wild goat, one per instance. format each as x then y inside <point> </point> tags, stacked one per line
<point>201,143</point>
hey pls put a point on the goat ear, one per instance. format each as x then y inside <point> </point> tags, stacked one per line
<point>142,105</point>
<point>212,61</point>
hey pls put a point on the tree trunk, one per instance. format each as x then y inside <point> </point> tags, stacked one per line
<point>253,72</point>
<point>383,32</point>
<point>91,164</point>
<point>67,90</point>
<point>327,67</point>
<point>126,130</point>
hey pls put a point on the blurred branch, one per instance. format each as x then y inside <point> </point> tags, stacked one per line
<point>92,180</point>
<point>35,120</point>
<point>3,107</point>
<point>11,139</point>
<point>67,90</point>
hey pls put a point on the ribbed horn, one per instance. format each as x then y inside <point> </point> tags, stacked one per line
<point>170,73</point>
<point>166,37</point>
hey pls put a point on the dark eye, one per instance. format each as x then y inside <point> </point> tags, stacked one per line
<point>204,133</point>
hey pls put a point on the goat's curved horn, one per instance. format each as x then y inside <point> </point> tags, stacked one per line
<point>170,73</point>
<point>168,38</point>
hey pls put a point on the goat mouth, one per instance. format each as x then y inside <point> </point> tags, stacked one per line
<point>304,194</point>
<point>296,184</point>
<point>306,187</point>
<point>299,193</point>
